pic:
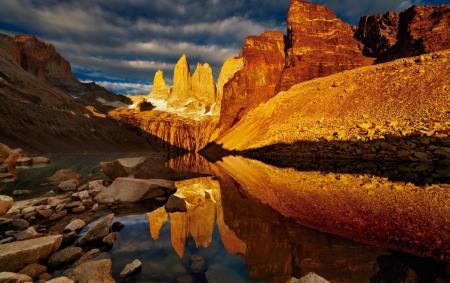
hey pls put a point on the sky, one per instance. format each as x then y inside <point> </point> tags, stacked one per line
<point>120,44</point>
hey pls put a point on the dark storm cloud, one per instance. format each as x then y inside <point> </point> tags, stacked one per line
<point>125,42</point>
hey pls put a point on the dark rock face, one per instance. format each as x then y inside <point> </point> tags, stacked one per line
<point>418,30</point>
<point>43,61</point>
<point>378,33</point>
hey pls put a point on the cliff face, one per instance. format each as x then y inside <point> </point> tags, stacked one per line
<point>160,90</point>
<point>402,116</point>
<point>175,130</point>
<point>317,44</point>
<point>418,30</point>
<point>190,95</point>
<point>263,58</point>
<point>43,61</point>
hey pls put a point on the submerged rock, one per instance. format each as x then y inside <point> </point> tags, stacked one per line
<point>11,277</point>
<point>129,190</point>
<point>75,225</point>
<point>16,255</point>
<point>175,204</point>
<point>64,175</point>
<point>309,278</point>
<point>64,257</point>
<point>33,270</point>
<point>92,271</point>
<point>61,279</point>
<point>131,268</point>
<point>97,231</point>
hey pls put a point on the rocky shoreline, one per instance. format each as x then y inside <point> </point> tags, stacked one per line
<point>53,239</point>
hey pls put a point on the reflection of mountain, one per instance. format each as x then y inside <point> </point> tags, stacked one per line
<point>204,210</point>
<point>275,248</point>
<point>368,209</point>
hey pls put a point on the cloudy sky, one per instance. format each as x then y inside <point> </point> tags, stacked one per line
<point>121,43</point>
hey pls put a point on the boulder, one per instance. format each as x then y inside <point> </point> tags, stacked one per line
<point>39,160</point>
<point>6,203</point>
<point>61,279</point>
<point>75,225</point>
<point>175,204</point>
<point>91,254</point>
<point>110,238</point>
<point>92,271</point>
<point>309,278</point>
<point>97,230</point>
<point>13,224</point>
<point>24,161</point>
<point>17,255</point>
<point>131,268</point>
<point>129,190</point>
<point>69,185</point>
<point>33,270</point>
<point>11,277</point>
<point>64,175</point>
<point>64,257</point>
<point>145,106</point>
<point>122,167</point>
<point>197,264</point>
<point>29,233</point>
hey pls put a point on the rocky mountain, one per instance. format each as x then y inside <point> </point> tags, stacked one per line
<point>38,116</point>
<point>402,116</point>
<point>418,30</point>
<point>185,115</point>
<point>318,44</point>
<point>43,61</point>
<point>190,95</point>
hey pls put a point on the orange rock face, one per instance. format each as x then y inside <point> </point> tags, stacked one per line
<point>318,44</point>
<point>256,82</point>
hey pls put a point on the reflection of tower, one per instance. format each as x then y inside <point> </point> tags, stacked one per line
<point>202,196</point>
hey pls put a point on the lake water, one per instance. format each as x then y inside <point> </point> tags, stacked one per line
<point>252,222</point>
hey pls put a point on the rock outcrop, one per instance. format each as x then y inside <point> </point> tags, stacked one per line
<point>194,95</point>
<point>181,83</point>
<point>418,30</point>
<point>403,115</point>
<point>43,61</point>
<point>203,88</point>
<point>33,113</point>
<point>230,67</point>
<point>318,44</point>
<point>160,89</point>
<point>130,190</point>
<point>256,82</point>
<point>17,255</point>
